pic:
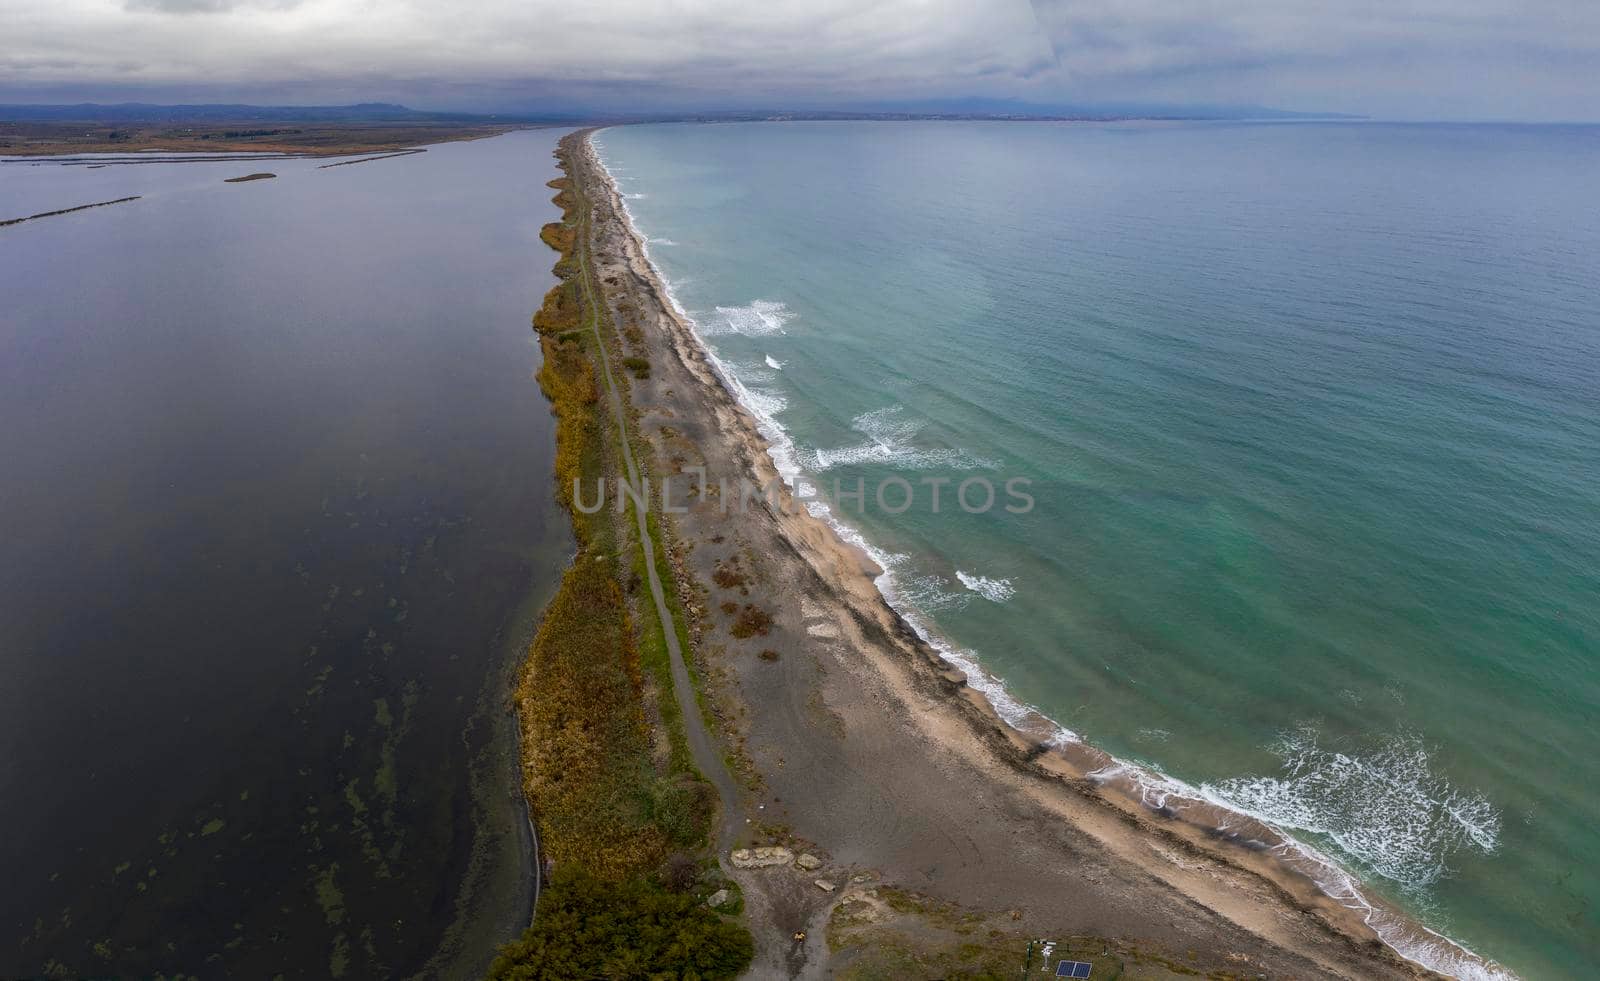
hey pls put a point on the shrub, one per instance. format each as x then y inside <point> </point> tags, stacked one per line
<point>586,928</point>
<point>585,744</point>
<point>681,873</point>
<point>639,366</point>
<point>729,578</point>
<point>753,620</point>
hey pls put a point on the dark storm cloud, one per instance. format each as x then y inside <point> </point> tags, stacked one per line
<point>1534,58</point>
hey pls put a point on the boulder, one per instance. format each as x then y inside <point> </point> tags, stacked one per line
<point>760,858</point>
<point>808,861</point>
<point>825,885</point>
<point>717,898</point>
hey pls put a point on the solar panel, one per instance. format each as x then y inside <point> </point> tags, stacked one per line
<point>1073,969</point>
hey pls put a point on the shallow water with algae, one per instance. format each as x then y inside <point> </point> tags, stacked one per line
<point>1311,420</point>
<point>278,514</point>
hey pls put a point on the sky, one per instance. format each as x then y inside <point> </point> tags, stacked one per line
<point>1396,59</point>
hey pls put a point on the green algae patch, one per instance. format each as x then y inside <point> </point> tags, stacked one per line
<point>329,896</point>
<point>339,957</point>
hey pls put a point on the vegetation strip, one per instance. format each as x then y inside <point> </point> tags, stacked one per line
<point>624,826</point>
<point>67,211</point>
<point>700,744</point>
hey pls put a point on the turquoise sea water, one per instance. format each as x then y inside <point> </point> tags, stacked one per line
<point>1312,423</point>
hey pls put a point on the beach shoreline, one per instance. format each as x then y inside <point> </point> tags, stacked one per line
<point>1233,864</point>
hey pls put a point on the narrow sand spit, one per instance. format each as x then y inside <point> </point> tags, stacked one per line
<point>856,742</point>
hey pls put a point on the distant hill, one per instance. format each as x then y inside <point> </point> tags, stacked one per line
<point>132,113</point>
<point>1013,108</point>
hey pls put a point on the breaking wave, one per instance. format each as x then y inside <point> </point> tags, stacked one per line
<point>930,593</point>
<point>993,590</point>
<point>1387,808</point>
<point>757,319</point>
<point>889,434</point>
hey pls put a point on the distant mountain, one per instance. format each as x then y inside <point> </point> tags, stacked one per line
<point>1013,108</point>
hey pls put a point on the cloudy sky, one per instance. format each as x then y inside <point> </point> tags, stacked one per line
<point>1409,59</point>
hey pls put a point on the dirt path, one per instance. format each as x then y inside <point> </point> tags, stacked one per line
<point>701,747</point>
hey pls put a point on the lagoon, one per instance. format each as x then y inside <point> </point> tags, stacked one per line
<point>278,518</point>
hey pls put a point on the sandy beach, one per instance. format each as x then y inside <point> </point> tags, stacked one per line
<point>855,742</point>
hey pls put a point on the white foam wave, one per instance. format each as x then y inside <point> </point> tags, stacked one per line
<point>1428,948</point>
<point>662,241</point>
<point>774,363</point>
<point>993,590</point>
<point>755,374</point>
<point>889,434</point>
<point>1386,808</point>
<point>756,319</point>
<point>932,594</point>
<point>636,196</point>
<point>1431,950</point>
<point>762,402</point>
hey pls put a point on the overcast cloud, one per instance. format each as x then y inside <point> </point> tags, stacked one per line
<point>1534,59</point>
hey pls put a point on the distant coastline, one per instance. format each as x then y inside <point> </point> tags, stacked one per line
<point>44,130</point>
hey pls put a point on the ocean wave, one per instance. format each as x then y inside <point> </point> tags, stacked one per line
<point>1405,936</point>
<point>662,241</point>
<point>755,374</point>
<point>993,590</point>
<point>1385,808</point>
<point>635,196</point>
<point>889,434</point>
<point>774,363</point>
<point>756,319</point>
<point>932,594</point>
<point>902,592</point>
<point>763,402</point>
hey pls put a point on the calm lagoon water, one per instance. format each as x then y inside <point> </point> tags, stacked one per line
<point>1312,416</point>
<point>277,512</point>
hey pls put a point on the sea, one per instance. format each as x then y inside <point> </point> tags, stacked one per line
<point>1293,437</point>
<point>278,518</point>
